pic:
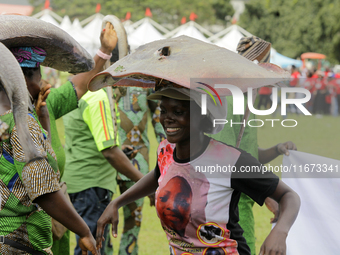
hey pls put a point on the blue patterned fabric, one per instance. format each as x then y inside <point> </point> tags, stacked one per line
<point>29,56</point>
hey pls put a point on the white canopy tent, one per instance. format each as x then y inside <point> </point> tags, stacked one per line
<point>191,29</point>
<point>231,37</point>
<point>92,31</point>
<point>48,16</point>
<point>66,24</point>
<point>144,33</point>
<point>78,34</point>
<point>128,25</point>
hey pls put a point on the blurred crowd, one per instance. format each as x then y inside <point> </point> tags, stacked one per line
<point>324,86</point>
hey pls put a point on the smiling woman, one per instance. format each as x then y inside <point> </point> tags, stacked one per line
<point>175,118</point>
<point>199,210</point>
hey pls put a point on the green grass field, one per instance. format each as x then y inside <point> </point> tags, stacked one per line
<point>312,135</point>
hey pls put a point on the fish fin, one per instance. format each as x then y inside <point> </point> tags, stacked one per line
<point>274,68</point>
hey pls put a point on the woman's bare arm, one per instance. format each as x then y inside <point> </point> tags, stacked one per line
<point>144,187</point>
<point>289,204</point>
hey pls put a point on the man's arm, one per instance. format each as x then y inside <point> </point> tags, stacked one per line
<point>267,155</point>
<point>116,157</point>
<point>108,39</point>
<point>289,203</point>
<point>56,205</point>
<point>144,187</point>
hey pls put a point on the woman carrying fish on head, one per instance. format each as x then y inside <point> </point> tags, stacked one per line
<point>30,192</point>
<point>198,208</point>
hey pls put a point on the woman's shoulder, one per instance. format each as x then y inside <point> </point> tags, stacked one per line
<point>218,145</point>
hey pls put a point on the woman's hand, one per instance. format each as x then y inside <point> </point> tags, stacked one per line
<point>282,148</point>
<point>87,243</point>
<point>267,155</point>
<point>108,39</point>
<point>58,207</point>
<point>40,106</point>
<point>110,215</point>
<point>129,148</point>
<point>275,244</point>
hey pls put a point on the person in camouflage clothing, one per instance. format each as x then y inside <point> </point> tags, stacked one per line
<point>133,114</point>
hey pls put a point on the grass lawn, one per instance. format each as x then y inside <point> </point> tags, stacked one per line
<point>312,135</point>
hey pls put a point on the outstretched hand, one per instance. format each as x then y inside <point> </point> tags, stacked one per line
<point>275,244</point>
<point>110,215</point>
<point>108,39</point>
<point>282,148</point>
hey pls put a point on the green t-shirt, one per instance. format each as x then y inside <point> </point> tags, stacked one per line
<point>59,102</point>
<point>89,130</point>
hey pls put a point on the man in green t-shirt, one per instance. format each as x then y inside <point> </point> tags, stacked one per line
<point>92,155</point>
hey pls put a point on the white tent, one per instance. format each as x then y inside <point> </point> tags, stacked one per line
<point>144,33</point>
<point>93,30</point>
<point>66,24</point>
<point>191,29</point>
<point>78,34</point>
<point>48,16</point>
<point>231,37</point>
<point>128,25</point>
<point>76,25</point>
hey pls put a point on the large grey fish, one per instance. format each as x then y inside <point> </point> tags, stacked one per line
<point>63,52</point>
<point>12,81</point>
<point>182,58</point>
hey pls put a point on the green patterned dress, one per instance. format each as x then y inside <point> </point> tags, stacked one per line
<point>21,220</point>
<point>133,114</point>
